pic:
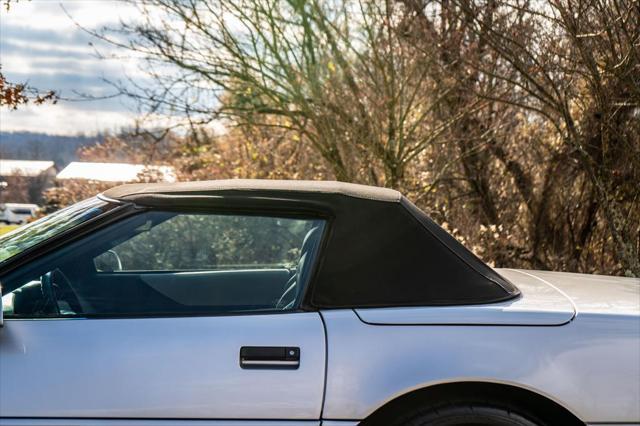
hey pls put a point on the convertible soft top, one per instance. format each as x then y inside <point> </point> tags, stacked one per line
<point>379,250</point>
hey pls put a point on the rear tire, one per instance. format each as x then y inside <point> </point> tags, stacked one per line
<point>467,414</point>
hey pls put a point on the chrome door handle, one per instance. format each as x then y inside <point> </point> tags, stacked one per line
<point>269,357</point>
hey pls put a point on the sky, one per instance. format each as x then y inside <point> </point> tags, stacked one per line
<point>40,44</point>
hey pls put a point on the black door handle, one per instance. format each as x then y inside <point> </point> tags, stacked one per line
<point>269,357</point>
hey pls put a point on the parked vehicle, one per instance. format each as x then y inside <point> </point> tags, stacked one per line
<point>295,303</point>
<point>17,213</point>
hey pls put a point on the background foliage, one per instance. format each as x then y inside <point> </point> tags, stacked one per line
<point>514,123</point>
<point>210,242</point>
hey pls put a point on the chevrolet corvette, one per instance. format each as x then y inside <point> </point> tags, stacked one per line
<point>263,303</point>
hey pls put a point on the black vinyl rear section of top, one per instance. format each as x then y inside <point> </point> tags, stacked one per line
<point>382,254</point>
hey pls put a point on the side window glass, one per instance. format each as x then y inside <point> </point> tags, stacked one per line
<point>167,263</point>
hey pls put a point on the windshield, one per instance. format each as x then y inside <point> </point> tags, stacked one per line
<point>25,237</point>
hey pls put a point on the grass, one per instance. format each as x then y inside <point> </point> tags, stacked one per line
<point>6,228</point>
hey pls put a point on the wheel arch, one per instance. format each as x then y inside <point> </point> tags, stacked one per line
<point>531,402</point>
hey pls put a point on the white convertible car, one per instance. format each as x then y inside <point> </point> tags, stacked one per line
<point>262,303</point>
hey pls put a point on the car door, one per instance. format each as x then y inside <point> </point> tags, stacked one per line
<point>167,315</point>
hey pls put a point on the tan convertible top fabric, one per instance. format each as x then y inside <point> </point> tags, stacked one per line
<point>381,250</point>
<point>214,186</point>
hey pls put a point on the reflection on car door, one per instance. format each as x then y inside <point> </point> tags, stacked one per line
<point>160,368</point>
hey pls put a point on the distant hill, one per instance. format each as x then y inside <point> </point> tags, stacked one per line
<point>42,146</point>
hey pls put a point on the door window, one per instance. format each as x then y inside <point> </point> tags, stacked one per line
<point>168,263</point>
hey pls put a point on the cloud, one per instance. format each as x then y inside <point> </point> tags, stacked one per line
<point>43,15</point>
<point>72,35</point>
<point>64,119</point>
<point>40,44</point>
<point>17,47</point>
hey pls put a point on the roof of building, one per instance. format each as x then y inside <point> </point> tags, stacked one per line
<point>24,167</point>
<point>263,185</point>
<point>113,172</point>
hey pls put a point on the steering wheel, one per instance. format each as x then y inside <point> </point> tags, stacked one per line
<point>55,283</point>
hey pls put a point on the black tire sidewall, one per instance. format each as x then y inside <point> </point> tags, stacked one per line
<point>468,415</point>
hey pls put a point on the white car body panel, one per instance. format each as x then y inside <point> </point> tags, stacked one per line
<point>130,422</point>
<point>147,422</point>
<point>596,294</point>
<point>159,368</point>
<point>590,366</point>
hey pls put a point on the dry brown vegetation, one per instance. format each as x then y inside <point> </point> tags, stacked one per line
<point>515,124</point>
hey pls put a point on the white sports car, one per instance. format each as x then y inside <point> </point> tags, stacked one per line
<point>261,303</point>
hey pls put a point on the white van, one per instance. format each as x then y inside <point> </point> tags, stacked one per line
<point>17,213</point>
